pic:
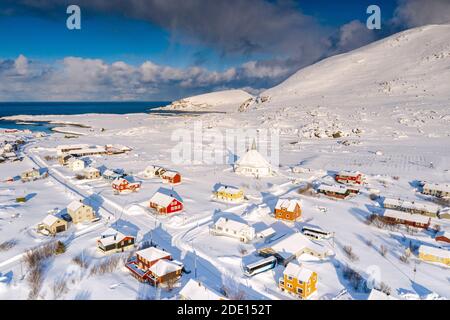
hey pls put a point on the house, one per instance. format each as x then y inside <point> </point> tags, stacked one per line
<point>125,184</point>
<point>349,177</point>
<point>440,190</point>
<point>75,164</point>
<point>195,290</point>
<point>164,272</point>
<point>112,241</point>
<point>80,212</point>
<point>64,159</point>
<point>91,173</point>
<point>64,149</point>
<point>166,201</point>
<point>292,246</point>
<point>228,194</point>
<point>51,225</point>
<point>444,213</point>
<point>335,191</point>
<point>171,177</point>
<point>432,254</point>
<point>443,236</point>
<point>416,207</point>
<point>253,164</point>
<point>111,175</point>
<point>412,220</point>
<point>153,171</point>
<point>33,174</point>
<point>145,259</point>
<point>234,229</point>
<point>298,280</point>
<point>288,209</point>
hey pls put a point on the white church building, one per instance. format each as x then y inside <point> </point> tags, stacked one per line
<point>254,164</point>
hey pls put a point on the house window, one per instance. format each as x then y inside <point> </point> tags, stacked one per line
<point>289,286</point>
<point>299,290</point>
<point>289,278</point>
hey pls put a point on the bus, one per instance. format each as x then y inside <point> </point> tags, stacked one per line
<point>316,233</point>
<point>260,266</point>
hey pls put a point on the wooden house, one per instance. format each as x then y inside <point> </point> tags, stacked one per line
<point>415,207</point>
<point>412,220</point>
<point>171,177</point>
<point>111,175</point>
<point>440,190</point>
<point>228,194</point>
<point>51,225</point>
<point>91,173</point>
<point>154,171</point>
<point>112,241</point>
<point>335,191</point>
<point>195,290</point>
<point>234,229</point>
<point>33,174</point>
<point>75,164</point>
<point>349,177</point>
<point>125,184</point>
<point>288,209</point>
<point>80,212</point>
<point>433,254</point>
<point>166,201</point>
<point>164,272</point>
<point>64,159</point>
<point>298,281</point>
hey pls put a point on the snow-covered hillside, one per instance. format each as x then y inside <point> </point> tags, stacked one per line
<point>413,65</point>
<point>227,100</point>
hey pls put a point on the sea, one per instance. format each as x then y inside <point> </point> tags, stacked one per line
<point>67,108</point>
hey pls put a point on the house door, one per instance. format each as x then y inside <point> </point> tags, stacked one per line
<point>60,229</point>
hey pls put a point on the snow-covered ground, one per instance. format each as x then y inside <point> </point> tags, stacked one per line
<point>383,110</point>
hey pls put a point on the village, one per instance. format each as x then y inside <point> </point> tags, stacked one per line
<point>267,241</point>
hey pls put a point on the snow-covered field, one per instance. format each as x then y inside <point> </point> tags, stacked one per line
<point>387,106</point>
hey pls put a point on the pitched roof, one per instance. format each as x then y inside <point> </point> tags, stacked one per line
<point>298,272</point>
<point>194,290</point>
<point>345,173</point>
<point>413,205</point>
<point>152,254</point>
<point>163,267</point>
<point>228,189</point>
<point>379,295</point>
<point>288,204</point>
<point>170,173</point>
<point>253,159</point>
<point>416,218</point>
<point>334,188</point>
<point>444,187</point>
<point>75,205</point>
<point>111,236</point>
<point>164,197</point>
<point>437,252</point>
<point>50,219</point>
<point>232,224</point>
<point>295,243</point>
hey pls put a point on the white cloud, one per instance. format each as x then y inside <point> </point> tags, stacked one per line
<point>414,13</point>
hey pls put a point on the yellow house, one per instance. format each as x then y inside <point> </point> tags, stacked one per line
<point>432,254</point>
<point>229,194</point>
<point>80,212</point>
<point>52,225</point>
<point>298,280</point>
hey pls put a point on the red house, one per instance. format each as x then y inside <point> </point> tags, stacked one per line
<point>123,184</point>
<point>443,236</point>
<point>171,177</point>
<point>166,201</point>
<point>412,220</point>
<point>144,260</point>
<point>349,177</point>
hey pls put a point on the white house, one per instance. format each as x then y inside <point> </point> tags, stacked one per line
<point>76,164</point>
<point>234,229</point>
<point>153,171</point>
<point>253,164</point>
<point>440,190</point>
<point>194,290</point>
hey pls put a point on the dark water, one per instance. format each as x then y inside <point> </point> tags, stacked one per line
<point>68,108</point>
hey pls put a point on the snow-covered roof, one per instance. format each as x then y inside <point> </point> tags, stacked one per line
<point>111,236</point>
<point>437,252</point>
<point>75,205</point>
<point>73,160</point>
<point>345,173</point>
<point>288,204</point>
<point>194,290</point>
<point>298,272</point>
<point>253,159</point>
<point>50,220</point>
<point>333,188</point>
<point>443,187</point>
<point>294,244</point>
<point>268,232</point>
<point>163,267</point>
<point>170,173</point>
<point>91,169</point>
<point>232,225</point>
<point>163,199</point>
<point>417,218</point>
<point>152,254</point>
<point>229,189</point>
<point>379,295</point>
<point>412,205</point>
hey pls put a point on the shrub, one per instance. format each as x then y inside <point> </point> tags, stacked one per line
<point>80,176</point>
<point>356,280</point>
<point>60,248</point>
<point>383,250</point>
<point>9,244</point>
<point>348,250</point>
<point>107,265</point>
<point>81,260</point>
<point>59,287</point>
<point>373,196</point>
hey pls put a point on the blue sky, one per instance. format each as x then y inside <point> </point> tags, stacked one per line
<point>169,49</point>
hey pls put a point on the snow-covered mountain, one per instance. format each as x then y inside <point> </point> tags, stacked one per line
<point>413,65</point>
<point>227,100</point>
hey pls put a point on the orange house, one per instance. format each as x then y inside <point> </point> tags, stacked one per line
<point>288,209</point>
<point>298,280</point>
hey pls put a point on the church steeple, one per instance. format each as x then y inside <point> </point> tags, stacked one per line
<point>253,145</point>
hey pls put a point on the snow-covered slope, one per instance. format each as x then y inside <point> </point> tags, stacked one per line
<point>227,100</point>
<point>413,65</point>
